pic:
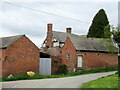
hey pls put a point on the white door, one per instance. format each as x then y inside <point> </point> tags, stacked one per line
<point>45,66</point>
<point>80,59</point>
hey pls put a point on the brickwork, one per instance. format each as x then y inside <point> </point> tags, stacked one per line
<point>94,60</point>
<point>69,48</point>
<point>56,62</point>
<point>20,57</point>
<point>49,36</point>
<point>68,30</point>
<point>91,60</point>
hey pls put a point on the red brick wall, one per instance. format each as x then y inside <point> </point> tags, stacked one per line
<point>22,56</point>
<point>94,60</point>
<point>49,42</point>
<point>2,54</point>
<point>0,62</point>
<point>69,48</point>
<point>91,60</point>
<point>54,68</point>
<point>2,57</point>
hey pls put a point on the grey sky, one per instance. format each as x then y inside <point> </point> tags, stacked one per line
<point>17,20</point>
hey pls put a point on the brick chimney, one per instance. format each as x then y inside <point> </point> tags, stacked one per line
<point>68,30</point>
<point>49,36</point>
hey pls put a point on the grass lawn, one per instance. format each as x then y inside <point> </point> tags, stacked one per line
<point>37,76</point>
<point>105,82</point>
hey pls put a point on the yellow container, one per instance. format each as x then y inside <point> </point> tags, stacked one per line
<point>30,73</point>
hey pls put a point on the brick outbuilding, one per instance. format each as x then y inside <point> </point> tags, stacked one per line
<point>80,53</point>
<point>18,55</point>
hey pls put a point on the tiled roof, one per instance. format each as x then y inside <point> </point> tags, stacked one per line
<point>61,36</point>
<point>6,41</point>
<point>87,44</point>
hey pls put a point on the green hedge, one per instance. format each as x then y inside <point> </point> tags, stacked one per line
<point>37,76</point>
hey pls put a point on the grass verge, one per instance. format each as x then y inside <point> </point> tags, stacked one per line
<point>37,76</point>
<point>104,82</point>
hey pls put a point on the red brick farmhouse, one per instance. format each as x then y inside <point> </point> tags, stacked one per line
<point>80,53</point>
<point>18,55</point>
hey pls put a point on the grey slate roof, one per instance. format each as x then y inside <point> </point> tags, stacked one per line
<point>6,41</point>
<point>86,44</point>
<point>91,44</point>
<point>61,36</point>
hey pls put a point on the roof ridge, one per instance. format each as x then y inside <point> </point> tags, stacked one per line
<point>6,41</point>
<point>79,36</point>
<point>12,36</point>
<point>67,33</point>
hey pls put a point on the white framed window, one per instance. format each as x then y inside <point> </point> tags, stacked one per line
<point>68,55</point>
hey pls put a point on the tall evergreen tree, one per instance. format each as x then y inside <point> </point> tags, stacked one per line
<point>97,28</point>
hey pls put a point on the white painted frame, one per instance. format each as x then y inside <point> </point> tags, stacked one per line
<point>80,61</point>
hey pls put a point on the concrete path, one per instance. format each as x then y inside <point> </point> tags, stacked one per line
<point>67,82</point>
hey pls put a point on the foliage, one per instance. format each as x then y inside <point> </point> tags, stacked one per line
<point>109,45</point>
<point>104,82</point>
<point>37,76</point>
<point>62,69</point>
<point>99,26</point>
<point>116,35</point>
<point>107,32</point>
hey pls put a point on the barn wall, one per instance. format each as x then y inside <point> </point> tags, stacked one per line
<point>55,68</point>
<point>94,60</point>
<point>2,54</point>
<point>69,48</point>
<point>22,56</point>
<point>2,57</point>
<point>91,60</point>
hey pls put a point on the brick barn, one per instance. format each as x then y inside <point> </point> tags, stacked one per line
<point>78,52</point>
<point>18,55</point>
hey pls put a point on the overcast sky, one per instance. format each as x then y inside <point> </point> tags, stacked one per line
<point>17,20</point>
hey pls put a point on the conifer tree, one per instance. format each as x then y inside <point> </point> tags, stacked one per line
<point>97,28</point>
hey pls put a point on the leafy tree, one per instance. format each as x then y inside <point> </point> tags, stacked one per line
<point>116,35</point>
<point>107,32</point>
<point>99,25</point>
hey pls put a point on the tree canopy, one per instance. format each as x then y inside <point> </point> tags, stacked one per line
<point>116,35</point>
<point>100,27</point>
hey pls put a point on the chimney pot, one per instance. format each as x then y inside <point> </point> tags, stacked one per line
<point>49,27</point>
<point>49,36</point>
<point>68,30</point>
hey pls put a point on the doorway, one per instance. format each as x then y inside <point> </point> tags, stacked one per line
<point>80,61</point>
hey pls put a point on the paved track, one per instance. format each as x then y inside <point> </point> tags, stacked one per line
<point>67,82</point>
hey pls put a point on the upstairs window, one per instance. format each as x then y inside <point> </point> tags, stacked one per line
<point>68,55</point>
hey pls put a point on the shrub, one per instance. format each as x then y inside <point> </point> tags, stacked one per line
<point>62,69</point>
